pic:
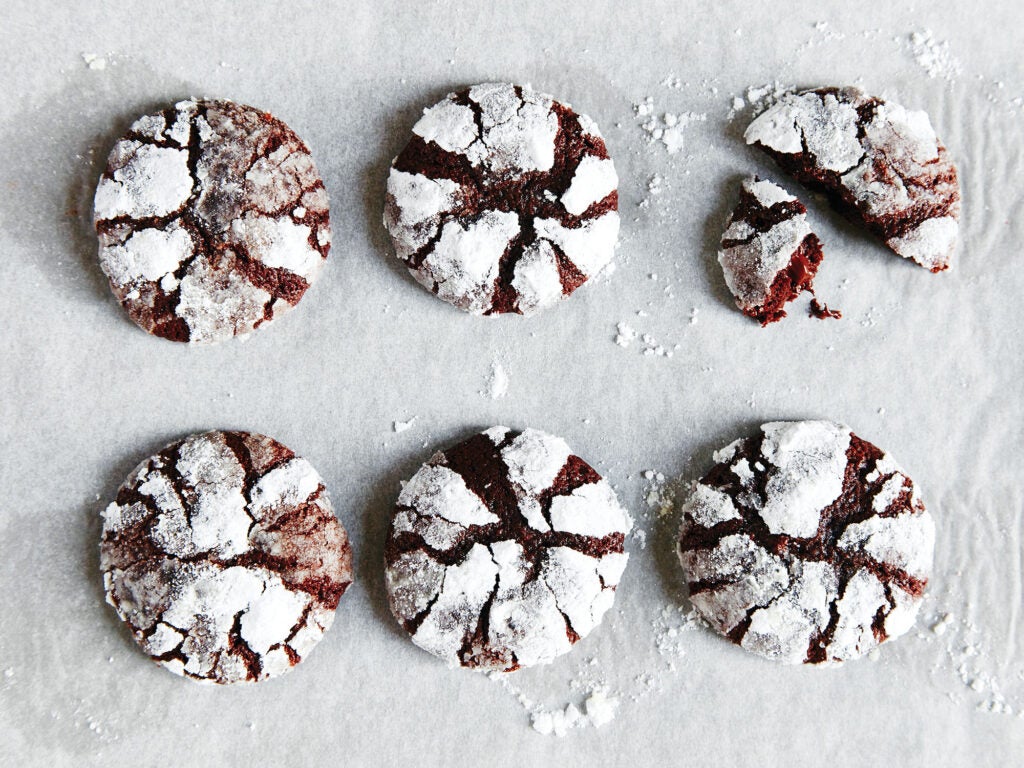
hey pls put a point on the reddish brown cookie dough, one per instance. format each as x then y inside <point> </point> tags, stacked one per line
<point>503,201</point>
<point>223,556</point>
<point>212,220</point>
<point>806,543</point>
<point>822,311</point>
<point>879,164</point>
<point>504,550</point>
<point>769,254</point>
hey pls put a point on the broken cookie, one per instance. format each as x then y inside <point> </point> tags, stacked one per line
<point>503,201</point>
<point>223,556</point>
<point>879,164</point>
<point>768,254</point>
<point>504,551</point>
<point>212,220</point>
<point>807,544</point>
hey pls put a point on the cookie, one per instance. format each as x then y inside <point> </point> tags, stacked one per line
<point>504,200</point>
<point>223,556</point>
<point>504,551</point>
<point>806,543</point>
<point>769,254</point>
<point>212,220</point>
<point>879,164</point>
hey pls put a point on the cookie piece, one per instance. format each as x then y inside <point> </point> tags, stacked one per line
<point>769,254</point>
<point>223,556</point>
<point>806,544</point>
<point>879,164</point>
<point>822,311</point>
<point>503,201</point>
<point>504,550</point>
<point>212,220</point>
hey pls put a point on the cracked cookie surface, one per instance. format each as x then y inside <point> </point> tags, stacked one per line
<point>504,201</point>
<point>881,165</point>
<point>768,253</point>
<point>504,551</point>
<point>224,557</point>
<point>806,544</point>
<point>212,220</point>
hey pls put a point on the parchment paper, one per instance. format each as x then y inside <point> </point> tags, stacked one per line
<point>927,366</point>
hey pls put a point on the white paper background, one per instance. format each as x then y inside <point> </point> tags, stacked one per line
<point>929,367</point>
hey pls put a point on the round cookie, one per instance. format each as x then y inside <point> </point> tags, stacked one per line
<point>212,220</point>
<point>880,165</point>
<point>504,200</point>
<point>806,543</point>
<point>223,556</point>
<point>504,550</point>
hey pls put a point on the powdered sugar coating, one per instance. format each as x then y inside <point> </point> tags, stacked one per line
<point>880,163</point>
<point>503,201</point>
<point>806,544</point>
<point>504,550</point>
<point>223,556</point>
<point>212,220</point>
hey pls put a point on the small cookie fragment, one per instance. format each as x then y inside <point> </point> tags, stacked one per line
<point>807,544</point>
<point>769,254</point>
<point>223,556</point>
<point>503,201</point>
<point>822,311</point>
<point>504,550</point>
<point>880,165</point>
<point>212,220</point>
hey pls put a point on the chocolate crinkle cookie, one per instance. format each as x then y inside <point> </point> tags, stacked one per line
<point>504,550</point>
<point>769,254</point>
<point>223,556</point>
<point>503,201</point>
<point>806,544</point>
<point>212,220</point>
<point>879,164</point>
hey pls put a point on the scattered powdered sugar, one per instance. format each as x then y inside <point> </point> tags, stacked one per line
<point>625,335</point>
<point>934,56</point>
<point>668,128</point>
<point>967,654</point>
<point>595,707</point>
<point>497,381</point>
<point>670,628</point>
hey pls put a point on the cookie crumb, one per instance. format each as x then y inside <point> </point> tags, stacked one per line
<point>821,311</point>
